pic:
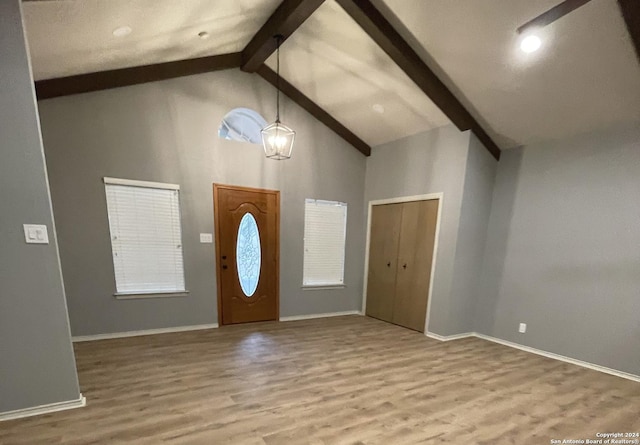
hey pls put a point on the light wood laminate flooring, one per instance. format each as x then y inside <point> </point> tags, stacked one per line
<point>344,380</point>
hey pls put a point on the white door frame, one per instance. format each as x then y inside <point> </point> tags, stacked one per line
<point>428,197</point>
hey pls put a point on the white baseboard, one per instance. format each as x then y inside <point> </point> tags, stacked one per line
<point>562,358</point>
<point>450,337</point>
<point>109,336</point>
<point>624,375</point>
<point>43,409</point>
<point>198,327</point>
<point>325,315</point>
<point>435,336</point>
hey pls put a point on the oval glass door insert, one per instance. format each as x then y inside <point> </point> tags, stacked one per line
<point>248,254</point>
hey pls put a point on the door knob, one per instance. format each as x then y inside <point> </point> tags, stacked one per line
<point>224,266</point>
<point>389,264</point>
<point>224,257</point>
<point>404,266</point>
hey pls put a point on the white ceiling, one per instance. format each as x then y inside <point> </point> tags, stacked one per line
<point>585,77</point>
<point>335,63</point>
<point>69,37</point>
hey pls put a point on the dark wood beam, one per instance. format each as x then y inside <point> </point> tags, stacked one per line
<point>384,34</point>
<point>553,14</point>
<point>284,21</point>
<point>303,101</point>
<point>631,13</point>
<point>104,80</point>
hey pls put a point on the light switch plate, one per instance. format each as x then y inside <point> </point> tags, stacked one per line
<point>35,234</point>
<point>206,238</point>
<point>523,328</point>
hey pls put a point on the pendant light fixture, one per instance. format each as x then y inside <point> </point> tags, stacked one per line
<point>277,138</point>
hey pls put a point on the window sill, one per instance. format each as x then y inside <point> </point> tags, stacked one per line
<point>322,286</point>
<point>135,296</point>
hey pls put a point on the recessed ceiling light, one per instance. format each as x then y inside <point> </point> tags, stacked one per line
<point>122,31</point>
<point>530,43</point>
<point>378,108</point>
<point>204,35</point>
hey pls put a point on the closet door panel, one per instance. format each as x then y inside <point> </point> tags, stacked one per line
<point>383,260</point>
<point>415,256</point>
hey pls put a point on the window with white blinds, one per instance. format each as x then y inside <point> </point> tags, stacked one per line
<point>325,229</point>
<point>146,237</point>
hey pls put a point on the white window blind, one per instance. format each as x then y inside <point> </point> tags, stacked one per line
<point>146,237</point>
<point>325,228</point>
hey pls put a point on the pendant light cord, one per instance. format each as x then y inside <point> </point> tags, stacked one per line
<point>278,41</point>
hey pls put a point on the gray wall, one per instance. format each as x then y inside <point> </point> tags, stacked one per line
<point>167,132</point>
<point>472,233</point>
<point>563,251</point>
<point>430,162</point>
<point>37,365</point>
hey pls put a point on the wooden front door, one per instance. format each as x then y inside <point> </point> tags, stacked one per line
<point>247,247</point>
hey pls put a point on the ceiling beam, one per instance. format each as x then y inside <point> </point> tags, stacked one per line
<point>553,14</point>
<point>304,102</point>
<point>391,42</point>
<point>104,80</point>
<point>631,13</point>
<point>284,21</point>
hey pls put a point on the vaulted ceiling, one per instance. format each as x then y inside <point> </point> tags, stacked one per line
<point>68,37</point>
<point>337,65</point>
<point>586,76</point>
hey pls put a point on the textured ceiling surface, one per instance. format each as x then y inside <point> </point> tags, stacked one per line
<point>69,37</point>
<point>585,76</point>
<point>335,63</point>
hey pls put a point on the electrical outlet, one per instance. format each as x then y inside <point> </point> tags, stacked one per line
<point>523,328</point>
<point>206,238</point>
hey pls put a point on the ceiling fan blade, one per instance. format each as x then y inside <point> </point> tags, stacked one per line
<point>552,14</point>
